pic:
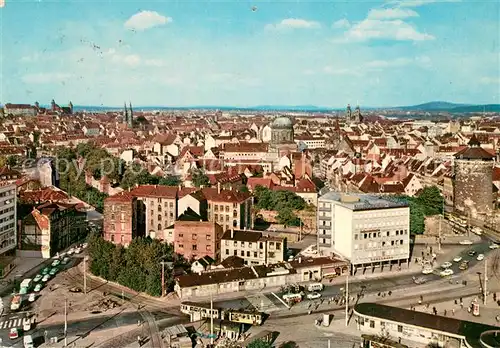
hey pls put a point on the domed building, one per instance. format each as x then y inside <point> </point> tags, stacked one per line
<point>282,131</point>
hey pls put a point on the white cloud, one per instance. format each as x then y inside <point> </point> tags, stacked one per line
<point>41,78</point>
<point>341,23</point>
<point>417,3</point>
<point>342,71</point>
<point>293,23</point>
<point>391,13</point>
<point>145,20</point>
<point>490,81</point>
<point>380,64</point>
<point>370,29</point>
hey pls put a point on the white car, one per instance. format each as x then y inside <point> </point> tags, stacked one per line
<point>446,273</point>
<point>56,263</point>
<point>493,246</point>
<point>465,242</point>
<point>477,230</point>
<point>313,295</point>
<point>446,265</point>
<point>26,324</point>
<point>427,271</point>
<point>78,250</point>
<point>32,298</point>
<point>70,251</point>
<point>480,257</point>
<point>46,278</point>
<point>457,259</point>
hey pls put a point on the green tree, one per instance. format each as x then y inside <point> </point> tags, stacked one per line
<point>259,343</point>
<point>200,179</point>
<point>136,174</point>
<point>170,181</point>
<point>431,200</point>
<point>287,217</point>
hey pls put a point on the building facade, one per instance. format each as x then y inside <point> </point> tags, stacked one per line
<point>367,230</point>
<point>120,219</point>
<point>52,227</point>
<point>253,247</point>
<point>473,186</point>
<point>8,223</point>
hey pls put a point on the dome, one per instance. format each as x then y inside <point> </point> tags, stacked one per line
<point>282,122</point>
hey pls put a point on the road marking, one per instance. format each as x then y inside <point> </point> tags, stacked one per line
<point>5,324</point>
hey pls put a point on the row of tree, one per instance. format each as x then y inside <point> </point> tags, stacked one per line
<point>138,266</point>
<point>284,202</point>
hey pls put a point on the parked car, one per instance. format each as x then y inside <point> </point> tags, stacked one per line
<point>38,287</point>
<point>480,257</point>
<point>427,270</point>
<point>53,271</point>
<point>65,261</point>
<point>46,278</point>
<point>465,242</point>
<point>471,253</point>
<point>71,251</point>
<point>493,246</point>
<point>477,230</point>
<point>13,333</point>
<point>446,265</point>
<point>463,266</point>
<point>78,250</point>
<point>26,324</point>
<point>457,259</point>
<point>446,273</point>
<point>55,263</point>
<point>32,297</point>
<point>45,271</point>
<point>37,278</point>
<point>313,295</point>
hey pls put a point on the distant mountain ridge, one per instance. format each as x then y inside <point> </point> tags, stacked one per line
<point>434,106</point>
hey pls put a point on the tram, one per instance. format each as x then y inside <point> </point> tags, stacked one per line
<point>241,316</point>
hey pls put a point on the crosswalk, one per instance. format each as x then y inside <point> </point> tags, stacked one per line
<point>14,322</point>
<point>262,303</point>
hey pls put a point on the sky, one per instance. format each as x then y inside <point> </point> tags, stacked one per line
<point>249,53</point>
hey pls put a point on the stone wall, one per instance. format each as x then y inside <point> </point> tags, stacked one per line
<point>473,181</point>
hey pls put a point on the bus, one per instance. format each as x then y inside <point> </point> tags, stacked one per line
<point>16,303</point>
<point>294,298</point>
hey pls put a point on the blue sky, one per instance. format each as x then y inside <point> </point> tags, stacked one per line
<point>243,53</point>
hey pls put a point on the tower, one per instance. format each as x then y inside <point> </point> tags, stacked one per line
<point>473,186</point>
<point>348,114</point>
<point>358,118</point>
<point>53,105</point>
<point>130,121</point>
<point>125,113</point>
<point>70,105</point>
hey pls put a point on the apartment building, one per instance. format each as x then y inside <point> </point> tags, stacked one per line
<point>366,229</point>
<point>156,207</point>
<point>195,238</point>
<point>253,247</point>
<point>121,220</point>
<point>52,227</point>
<point>8,223</point>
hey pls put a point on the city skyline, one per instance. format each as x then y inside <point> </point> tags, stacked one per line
<point>388,53</point>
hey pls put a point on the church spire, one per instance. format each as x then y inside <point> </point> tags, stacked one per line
<point>131,116</point>
<point>125,113</point>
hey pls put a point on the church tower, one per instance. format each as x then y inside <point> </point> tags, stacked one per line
<point>348,114</point>
<point>358,118</point>
<point>130,121</point>
<point>125,113</point>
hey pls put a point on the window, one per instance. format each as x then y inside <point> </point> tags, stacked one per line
<point>242,253</point>
<point>195,247</point>
<point>159,217</point>
<point>209,248</point>
<point>216,207</point>
<point>235,253</point>
<point>181,246</point>
<point>122,238</point>
<point>355,237</point>
<point>248,253</point>
<point>227,208</point>
<point>227,217</point>
<point>227,251</point>
<point>365,236</point>
<point>159,227</point>
<point>235,244</point>
<point>171,205</point>
<point>392,242</point>
<point>254,254</point>
<point>249,244</point>
<point>261,245</point>
<point>181,235</point>
<point>112,237</point>
<point>372,324</point>
<point>159,208</point>
<point>194,236</point>
<point>227,243</point>
<point>209,237</point>
<point>235,223</point>
<point>242,244</point>
<point>400,328</point>
<point>112,216</point>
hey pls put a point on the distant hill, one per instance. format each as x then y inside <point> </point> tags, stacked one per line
<point>477,108</point>
<point>433,106</point>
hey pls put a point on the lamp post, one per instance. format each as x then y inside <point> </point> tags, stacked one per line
<point>85,274</point>
<point>163,264</point>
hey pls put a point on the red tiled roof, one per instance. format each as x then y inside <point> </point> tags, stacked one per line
<point>228,196</point>
<point>157,191</point>
<point>264,182</point>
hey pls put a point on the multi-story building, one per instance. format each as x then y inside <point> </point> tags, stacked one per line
<point>195,238</point>
<point>52,227</point>
<point>8,224</point>
<point>120,219</point>
<point>228,208</point>
<point>157,207</point>
<point>367,230</point>
<point>253,247</point>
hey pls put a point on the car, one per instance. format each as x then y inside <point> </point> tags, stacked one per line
<point>471,253</point>
<point>32,297</point>
<point>493,246</point>
<point>38,288</point>
<point>26,324</point>
<point>71,251</point>
<point>419,280</point>
<point>45,271</point>
<point>65,261</point>
<point>56,263</point>
<point>446,265</point>
<point>78,250</point>
<point>75,290</point>
<point>427,270</point>
<point>46,278</point>
<point>313,295</point>
<point>457,259</point>
<point>446,273</point>
<point>463,266</point>
<point>53,271</point>
<point>37,278</point>
<point>480,257</point>
<point>465,242</point>
<point>13,333</point>
<point>477,230</point>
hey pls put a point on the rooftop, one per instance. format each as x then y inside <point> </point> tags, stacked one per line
<point>359,202</point>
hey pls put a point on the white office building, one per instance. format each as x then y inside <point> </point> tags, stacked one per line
<point>8,225</point>
<point>367,230</point>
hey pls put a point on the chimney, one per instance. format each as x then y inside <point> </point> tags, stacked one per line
<point>232,233</point>
<point>300,259</point>
<point>218,188</point>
